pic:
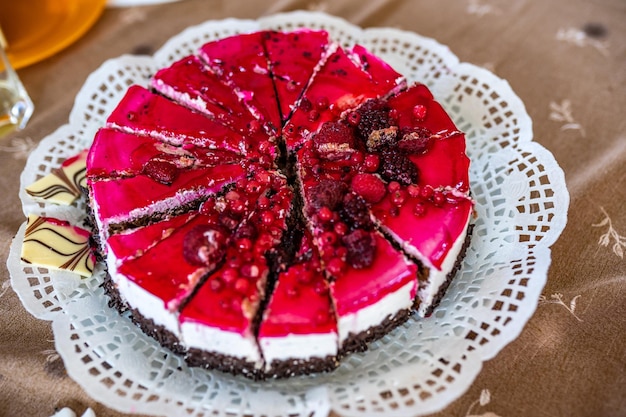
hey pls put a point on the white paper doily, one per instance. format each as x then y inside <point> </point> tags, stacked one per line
<point>521,204</point>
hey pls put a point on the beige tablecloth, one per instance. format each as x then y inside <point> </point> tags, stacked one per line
<point>565,59</point>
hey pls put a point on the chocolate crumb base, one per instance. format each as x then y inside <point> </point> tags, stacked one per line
<point>115,300</point>
<point>154,217</point>
<point>298,367</point>
<point>217,361</point>
<point>459,260</point>
<point>162,335</point>
<point>359,342</point>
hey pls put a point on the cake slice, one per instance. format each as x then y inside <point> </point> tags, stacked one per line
<point>145,113</point>
<point>117,154</point>
<point>240,62</point>
<point>339,86</point>
<point>293,58</point>
<point>219,323</point>
<point>191,83</point>
<point>373,285</point>
<point>298,333</point>
<point>121,203</point>
<point>427,210</point>
<point>159,265</point>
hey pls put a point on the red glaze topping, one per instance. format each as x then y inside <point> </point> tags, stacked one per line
<point>138,241</point>
<point>231,296</point>
<point>293,57</point>
<point>119,198</point>
<point>300,303</point>
<point>338,86</point>
<point>145,113</point>
<point>173,280</point>
<point>359,288</point>
<point>432,228</point>
<point>381,72</point>
<point>118,154</point>
<point>191,83</point>
<point>240,61</point>
<point>445,163</point>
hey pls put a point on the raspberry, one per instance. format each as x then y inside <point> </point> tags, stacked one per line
<point>327,193</point>
<point>334,141</point>
<point>160,171</point>
<point>355,213</point>
<point>415,141</point>
<point>374,115</point>
<point>205,245</point>
<point>396,166</point>
<point>361,247</point>
<point>369,186</point>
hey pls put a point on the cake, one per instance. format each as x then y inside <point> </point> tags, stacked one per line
<point>276,201</point>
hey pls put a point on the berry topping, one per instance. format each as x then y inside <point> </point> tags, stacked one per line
<point>381,138</point>
<point>371,163</point>
<point>246,231</point>
<point>374,115</point>
<point>355,213</point>
<point>396,166</point>
<point>334,141</point>
<point>415,141</point>
<point>354,118</point>
<point>369,186</point>
<point>419,111</point>
<point>361,248</point>
<point>327,193</point>
<point>205,245</point>
<point>160,171</point>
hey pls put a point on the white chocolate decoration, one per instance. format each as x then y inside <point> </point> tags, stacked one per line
<point>63,184</point>
<point>56,244</point>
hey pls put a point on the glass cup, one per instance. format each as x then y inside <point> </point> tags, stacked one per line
<point>16,106</point>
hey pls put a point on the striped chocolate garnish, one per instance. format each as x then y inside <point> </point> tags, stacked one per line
<point>56,244</point>
<point>63,184</point>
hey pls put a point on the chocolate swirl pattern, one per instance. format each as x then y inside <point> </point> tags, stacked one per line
<point>63,184</point>
<point>56,244</point>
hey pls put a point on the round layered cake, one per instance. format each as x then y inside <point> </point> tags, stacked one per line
<point>276,201</point>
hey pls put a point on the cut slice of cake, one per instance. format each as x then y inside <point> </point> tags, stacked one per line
<point>373,285</point>
<point>117,154</point>
<point>219,323</point>
<point>293,58</point>
<point>380,71</point>
<point>191,82</point>
<point>155,268</point>
<point>241,63</point>
<point>338,86</point>
<point>298,333</point>
<point>118,204</point>
<point>145,113</point>
<point>428,209</point>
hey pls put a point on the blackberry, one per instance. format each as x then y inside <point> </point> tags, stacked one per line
<point>355,213</point>
<point>361,247</point>
<point>374,116</point>
<point>327,193</point>
<point>396,166</point>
